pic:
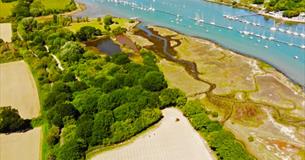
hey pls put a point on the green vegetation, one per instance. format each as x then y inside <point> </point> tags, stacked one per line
<point>6,8</point>
<point>8,53</point>
<point>10,121</point>
<point>97,101</point>
<point>88,32</point>
<point>56,4</point>
<point>221,141</point>
<point>94,100</point>
<point>26,8</point>
<point>291,8</point>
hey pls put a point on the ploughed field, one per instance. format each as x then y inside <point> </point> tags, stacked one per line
<point>18,146</point>
<point>18,90</point>
<point>6,32</point>
<point>172,138</point>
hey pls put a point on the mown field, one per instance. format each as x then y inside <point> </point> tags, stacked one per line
<point>55,4</point>
<point>6,8</point>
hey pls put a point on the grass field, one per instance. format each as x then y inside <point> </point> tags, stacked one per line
<point>18,146</point>
<point>6,8</point>
<point>99,25</point>
<point>55,4</point>
<point>172,139</point>
<point>18,89</point>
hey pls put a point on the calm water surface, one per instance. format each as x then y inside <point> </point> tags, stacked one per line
<point>282,50</point>
<point>108,46</point>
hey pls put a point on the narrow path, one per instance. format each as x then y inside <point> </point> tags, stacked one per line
<point>58,62</point>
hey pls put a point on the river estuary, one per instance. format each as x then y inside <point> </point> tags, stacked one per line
<point>280,45</point>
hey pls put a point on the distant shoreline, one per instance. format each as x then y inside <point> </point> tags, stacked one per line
<point>260,12</point>
<point>80,7</point>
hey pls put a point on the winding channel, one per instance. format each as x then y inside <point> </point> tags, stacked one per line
<point>162,49</point>
<point>281,49</point>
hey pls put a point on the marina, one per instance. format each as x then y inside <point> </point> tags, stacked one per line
<point>280,45</point>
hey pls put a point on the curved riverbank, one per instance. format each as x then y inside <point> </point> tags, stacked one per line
<point>288,59</point>
<point>245,105</point>
<point>259,11</point>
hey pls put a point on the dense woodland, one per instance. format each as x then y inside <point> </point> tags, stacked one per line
<point>97,100</point>
<point>94,100</point>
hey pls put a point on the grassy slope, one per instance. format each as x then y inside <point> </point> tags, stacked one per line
<point>6,8</point>
<point>74,27</point>
<point>55,4</point>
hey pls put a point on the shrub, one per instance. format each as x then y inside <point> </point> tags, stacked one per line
<point>10,121</point>
<point>154,81</point>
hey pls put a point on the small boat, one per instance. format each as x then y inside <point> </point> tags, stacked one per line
<point>230,28</point>
<point>296,57</point>
<point>281,30</point>
<point>273,28</point>
<point>288,32</point>
<point>266,46</point>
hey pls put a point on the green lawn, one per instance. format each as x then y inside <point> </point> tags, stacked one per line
<point>55,4</point>
<point>6,8</point>
<point>99,25</point>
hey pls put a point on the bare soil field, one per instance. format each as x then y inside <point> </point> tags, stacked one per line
<point>17,146</point>
<point>6,32</point>
<point>18,89</point>
<point>173,139</point>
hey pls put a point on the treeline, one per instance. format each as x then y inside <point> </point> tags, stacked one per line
<point>291,8</point>
<point>35,8</point>
<point>222,142</point>
<point>92,100</point>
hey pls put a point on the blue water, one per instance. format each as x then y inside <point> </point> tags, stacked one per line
<point>280,55</point>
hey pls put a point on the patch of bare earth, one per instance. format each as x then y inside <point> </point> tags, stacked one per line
<point>6,32</point>
<point>21,146</point>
